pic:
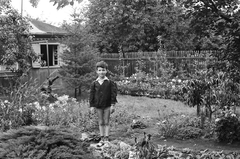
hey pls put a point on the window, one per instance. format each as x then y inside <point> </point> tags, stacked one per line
<point>52,54</point>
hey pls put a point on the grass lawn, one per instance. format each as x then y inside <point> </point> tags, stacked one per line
<point>145,106</point>
<point>147,109</point>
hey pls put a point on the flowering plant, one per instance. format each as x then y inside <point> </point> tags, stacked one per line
<point>142,84</point>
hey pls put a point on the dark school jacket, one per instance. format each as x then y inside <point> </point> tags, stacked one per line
<point>102,96</point>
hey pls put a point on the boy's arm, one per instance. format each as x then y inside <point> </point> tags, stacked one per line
<point>92,92</point>
<point>113,93</point>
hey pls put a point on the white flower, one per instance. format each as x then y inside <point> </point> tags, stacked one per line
<point>74,99</point>
<point>57,102</point>
<point>183,116</point>
<point>217,120</point>
<point>158,123</point>
<point>179,80</point>
<point>20,110</point>
<point>6,101</point>
<point>55,95</point>
<point>37,105</point>
<point>63,98</point>
<point>233,115</point>
<point>173,80</point>
<point>51,106</point>
<point>44,108</point>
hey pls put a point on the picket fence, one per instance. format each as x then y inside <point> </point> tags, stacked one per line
<point>181,60</point>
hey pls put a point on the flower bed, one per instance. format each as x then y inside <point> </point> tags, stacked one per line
<point>153,87</point>
<point>145,149</point>
<point>48,142</point>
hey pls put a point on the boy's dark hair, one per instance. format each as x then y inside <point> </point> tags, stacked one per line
<point>102,64</point>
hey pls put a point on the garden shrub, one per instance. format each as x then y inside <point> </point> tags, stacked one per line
<point>188,132</point>
<point>168,124</point>
<point>42,142</point>
<point>121,116</point>
<point>180,126</point>
<point>227,126</point>
<point>168,127</point>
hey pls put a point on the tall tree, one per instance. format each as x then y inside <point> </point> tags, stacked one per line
<point>15,39</point>
<point>221,20</point>
<point>79,56</point>
<point>135,25</point>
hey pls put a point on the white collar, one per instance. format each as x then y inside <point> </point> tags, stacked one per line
<point>105,78</point>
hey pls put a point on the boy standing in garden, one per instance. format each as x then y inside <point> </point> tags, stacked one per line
<point>103,93</point>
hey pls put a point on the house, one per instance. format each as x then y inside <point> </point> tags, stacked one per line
<point>46,43</point>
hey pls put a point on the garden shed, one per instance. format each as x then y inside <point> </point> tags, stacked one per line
<point>47,44</point>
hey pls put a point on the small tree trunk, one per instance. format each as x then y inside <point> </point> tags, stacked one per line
<point>198,110</point>
<point>79,91</point>
<point>209,113</point>
<point>203,117</point>
<point>75,92</point>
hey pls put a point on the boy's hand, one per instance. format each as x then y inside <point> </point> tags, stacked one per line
<point>92,110</point>
<point>112,110</point>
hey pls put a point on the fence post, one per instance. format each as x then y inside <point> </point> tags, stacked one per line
<point>123,62</point>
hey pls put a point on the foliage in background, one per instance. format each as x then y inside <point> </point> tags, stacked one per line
<point>185,25</point>
<point>218,19</point>
<point>79,56</point>
<point>15,40</point>
<point>134,26</point>
<point>59,3</point>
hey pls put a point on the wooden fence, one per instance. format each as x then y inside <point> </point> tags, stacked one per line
<point>36,75</point>
<point>180,60</point>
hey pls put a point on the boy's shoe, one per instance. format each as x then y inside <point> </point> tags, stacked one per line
<point>100,144</point>
<point>101,139</point>
<point>106,139</point>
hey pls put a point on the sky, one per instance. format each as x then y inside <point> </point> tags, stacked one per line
<point>45,11</point>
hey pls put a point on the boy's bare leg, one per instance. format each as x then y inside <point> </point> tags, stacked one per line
<point>101,122</point>
<point>106,121</point>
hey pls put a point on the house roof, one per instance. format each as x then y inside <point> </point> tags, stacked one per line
<point>41,28</point>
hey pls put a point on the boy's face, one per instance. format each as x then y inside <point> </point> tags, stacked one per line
<point>101,72</point>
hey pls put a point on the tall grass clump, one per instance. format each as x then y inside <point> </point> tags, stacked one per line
<point>175,125</point>
<point>15,110</point>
